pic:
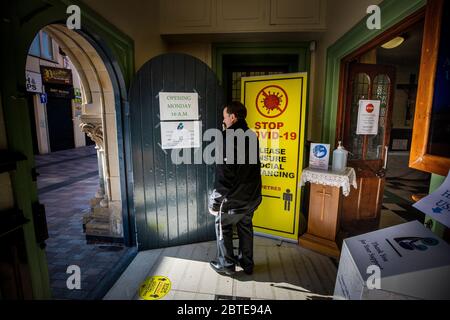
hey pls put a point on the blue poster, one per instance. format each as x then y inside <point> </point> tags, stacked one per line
<point>319,156</point>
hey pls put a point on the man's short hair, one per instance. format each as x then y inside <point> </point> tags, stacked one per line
<point>237,108</point>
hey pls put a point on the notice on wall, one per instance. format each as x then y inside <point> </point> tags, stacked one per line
<point>180,134</point>
<point>319,156</point>
<point>175,106</point>
<point>368,117</point>
<point>33,82</point>
<point>276,112</point>
<point>437,204</point>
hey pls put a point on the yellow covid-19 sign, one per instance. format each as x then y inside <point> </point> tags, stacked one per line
<point>276,111</point>
<point>154,288</point>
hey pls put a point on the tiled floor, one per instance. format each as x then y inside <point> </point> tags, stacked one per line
<point>68,180</point>
<point>404,188</point>
<point>397,203</point>
<point>283,272</point>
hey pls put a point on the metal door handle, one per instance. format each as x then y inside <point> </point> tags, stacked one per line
<point>386,148</point>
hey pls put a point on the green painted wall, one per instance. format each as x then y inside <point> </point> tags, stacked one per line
<point>392,12</point>
<point>21,20</point>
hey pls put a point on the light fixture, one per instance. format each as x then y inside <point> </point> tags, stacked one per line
<point>391,44</point>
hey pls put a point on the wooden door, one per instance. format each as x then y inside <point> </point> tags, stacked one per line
<point>368,153</point>
<point>60,124</point>
<point>170,201</point>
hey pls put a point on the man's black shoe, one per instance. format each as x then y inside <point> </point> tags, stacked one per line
<point>229,271</point>
<point>248,271</point>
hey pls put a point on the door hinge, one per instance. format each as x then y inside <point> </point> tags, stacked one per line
<point>40,224</point>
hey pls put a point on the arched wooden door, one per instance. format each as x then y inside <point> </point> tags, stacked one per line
<point>368,153</point>
<point>170,200</point>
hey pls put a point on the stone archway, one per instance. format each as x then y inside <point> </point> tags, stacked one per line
<point>98,121</point>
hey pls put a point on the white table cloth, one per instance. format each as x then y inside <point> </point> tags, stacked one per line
<point>344,179</point>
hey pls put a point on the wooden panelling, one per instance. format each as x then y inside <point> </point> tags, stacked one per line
<point>241,15</point>
<point>323,211</point>
<point>297,12</point>
<point>233,16</point>
<point>179,14</point>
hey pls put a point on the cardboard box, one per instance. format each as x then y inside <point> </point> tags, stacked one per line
<point>414,264</point>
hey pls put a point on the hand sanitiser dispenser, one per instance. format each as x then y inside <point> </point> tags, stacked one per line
<point>339,158</point>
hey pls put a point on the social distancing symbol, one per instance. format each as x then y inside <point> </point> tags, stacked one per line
<point>155,288</point>
<point>271,101</point>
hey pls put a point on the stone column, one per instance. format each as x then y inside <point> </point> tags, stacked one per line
<point>99,222</point>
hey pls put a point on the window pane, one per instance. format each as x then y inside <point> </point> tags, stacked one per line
<point>360,91</point>
<point>380,91</point>
<point>47,49</point>
<point>35,47</point>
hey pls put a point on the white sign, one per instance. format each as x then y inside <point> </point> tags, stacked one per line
<point>178,106</point>
<point>437,204</point>
<point>33,81</point>
<point>180,134</point>
<point>319,156</point>
<point>368,116</point>
<point>413,263</point>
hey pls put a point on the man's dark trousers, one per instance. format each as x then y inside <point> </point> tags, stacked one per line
<point>244,225</point>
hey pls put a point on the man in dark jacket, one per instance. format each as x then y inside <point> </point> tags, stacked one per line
<point>237,191</point>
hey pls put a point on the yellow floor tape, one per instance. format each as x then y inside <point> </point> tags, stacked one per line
<point>154,288</point>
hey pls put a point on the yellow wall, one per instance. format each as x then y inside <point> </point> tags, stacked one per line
<point>139,19</point>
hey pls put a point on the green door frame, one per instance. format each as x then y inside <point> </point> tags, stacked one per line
<point>301,49</point>
<point>392,12</point>
<point>21,20</point>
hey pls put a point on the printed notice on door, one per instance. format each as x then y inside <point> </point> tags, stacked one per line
<point>178,106</point>
<point>368,116</point>
<point>180,134</point>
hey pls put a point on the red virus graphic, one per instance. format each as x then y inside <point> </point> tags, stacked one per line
<point>271,101</point>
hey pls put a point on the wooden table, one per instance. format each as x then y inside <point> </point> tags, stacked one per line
<point>325,208</point>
